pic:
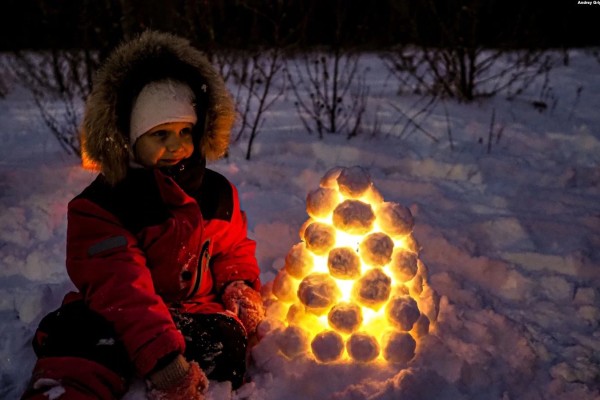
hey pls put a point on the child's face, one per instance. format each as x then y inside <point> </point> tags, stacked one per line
<point>165,145</point>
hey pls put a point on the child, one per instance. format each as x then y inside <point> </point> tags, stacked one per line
<point>167,279</point>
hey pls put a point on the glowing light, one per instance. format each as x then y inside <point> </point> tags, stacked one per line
<point>346,288</point>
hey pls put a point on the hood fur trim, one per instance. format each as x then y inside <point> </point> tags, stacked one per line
<point>105,136</point>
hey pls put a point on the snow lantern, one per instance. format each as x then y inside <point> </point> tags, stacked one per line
<point>354,287</point>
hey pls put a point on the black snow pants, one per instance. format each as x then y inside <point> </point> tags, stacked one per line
<point>216,341</point>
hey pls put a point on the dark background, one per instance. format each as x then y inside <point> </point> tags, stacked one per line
<point>300,24</point>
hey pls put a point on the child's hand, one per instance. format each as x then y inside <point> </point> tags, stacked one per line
<point>244,302</point>
<point>179,380</point>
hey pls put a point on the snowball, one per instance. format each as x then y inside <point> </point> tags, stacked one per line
<point>297,315</point>
<point>266,326</point>
<point>417,285</point>
<point>422,271</point>
<point>293,341</point>
<point>345,317</point>
<point>353,217</point>
<point>376,249</point>
<point>318,291</point>
<point>395,219</point>
<point>398,347</point>
<point>319,237</point>
<point>284,286</point>
<point>403,265</point>
<point>344,263</point>
<point>353,182</point>
<point>411,244</point>
<point>421,327</point>
<point>591,314</point>
<point>327,346</point>
<point>400,290</point>
<point>420,279</point>
<point>321,202</point>
<point>373,288</point>
<point>274,308</point>
<point>586,295</point>
<point>402,312</point>
<point>373,196</point>
<point>429,303</point>
<point>303,227</point>
<point>299,262</point>
<point>362,347</point>
<point>329,180</point>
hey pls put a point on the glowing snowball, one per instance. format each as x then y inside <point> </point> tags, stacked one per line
<point>353,217</point>
<point>403,265</point>
<point>376,249</point>
<point>353,182</point>
<point>372,289</point>
<point>398,347</point>
<point>400,290</point>
<point>296,313</point>
<point>293,341</point>
<point>418,283</point>
<point>284,286</point>
<point>329,180</point>
<point>318,292</point>
<point>373,196</point>
<point>411,244</point>
<point>327,346</point>
<point>343,263</point>
<point>395,219</point>
<point>421,327</point>
<point>429,303</point>
<point>362,347</point>
<point>319,238</point>
<point>298,261</point>
<point>321,202</point>
<point>403,312</point>
<point>274,308</point>
<point>345,317</point>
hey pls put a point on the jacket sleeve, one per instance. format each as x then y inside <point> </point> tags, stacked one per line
<point>109,269</point>
<point>233,255</point>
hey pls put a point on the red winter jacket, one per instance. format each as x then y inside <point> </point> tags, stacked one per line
<point>136,249</point>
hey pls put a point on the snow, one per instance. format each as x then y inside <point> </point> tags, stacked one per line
<point>510,237</point>
<point>55,390</point>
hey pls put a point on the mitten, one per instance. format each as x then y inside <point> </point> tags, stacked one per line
<point>244,302</point>
<point>178,380</point>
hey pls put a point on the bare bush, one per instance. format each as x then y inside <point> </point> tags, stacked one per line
<point>465,73</point>
<point>59,81</point>
<point>256,77</point>
<point>330,91</point>
<point>458,61</point>
<point>255,73</point>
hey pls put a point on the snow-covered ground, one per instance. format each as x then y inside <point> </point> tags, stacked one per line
<point>511,238</point>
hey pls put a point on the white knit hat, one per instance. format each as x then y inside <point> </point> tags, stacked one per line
<point>160,102</point>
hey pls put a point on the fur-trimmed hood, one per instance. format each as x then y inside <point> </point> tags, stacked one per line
<point>151,56</point>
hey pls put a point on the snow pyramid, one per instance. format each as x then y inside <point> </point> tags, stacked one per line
<point>354,288</point>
